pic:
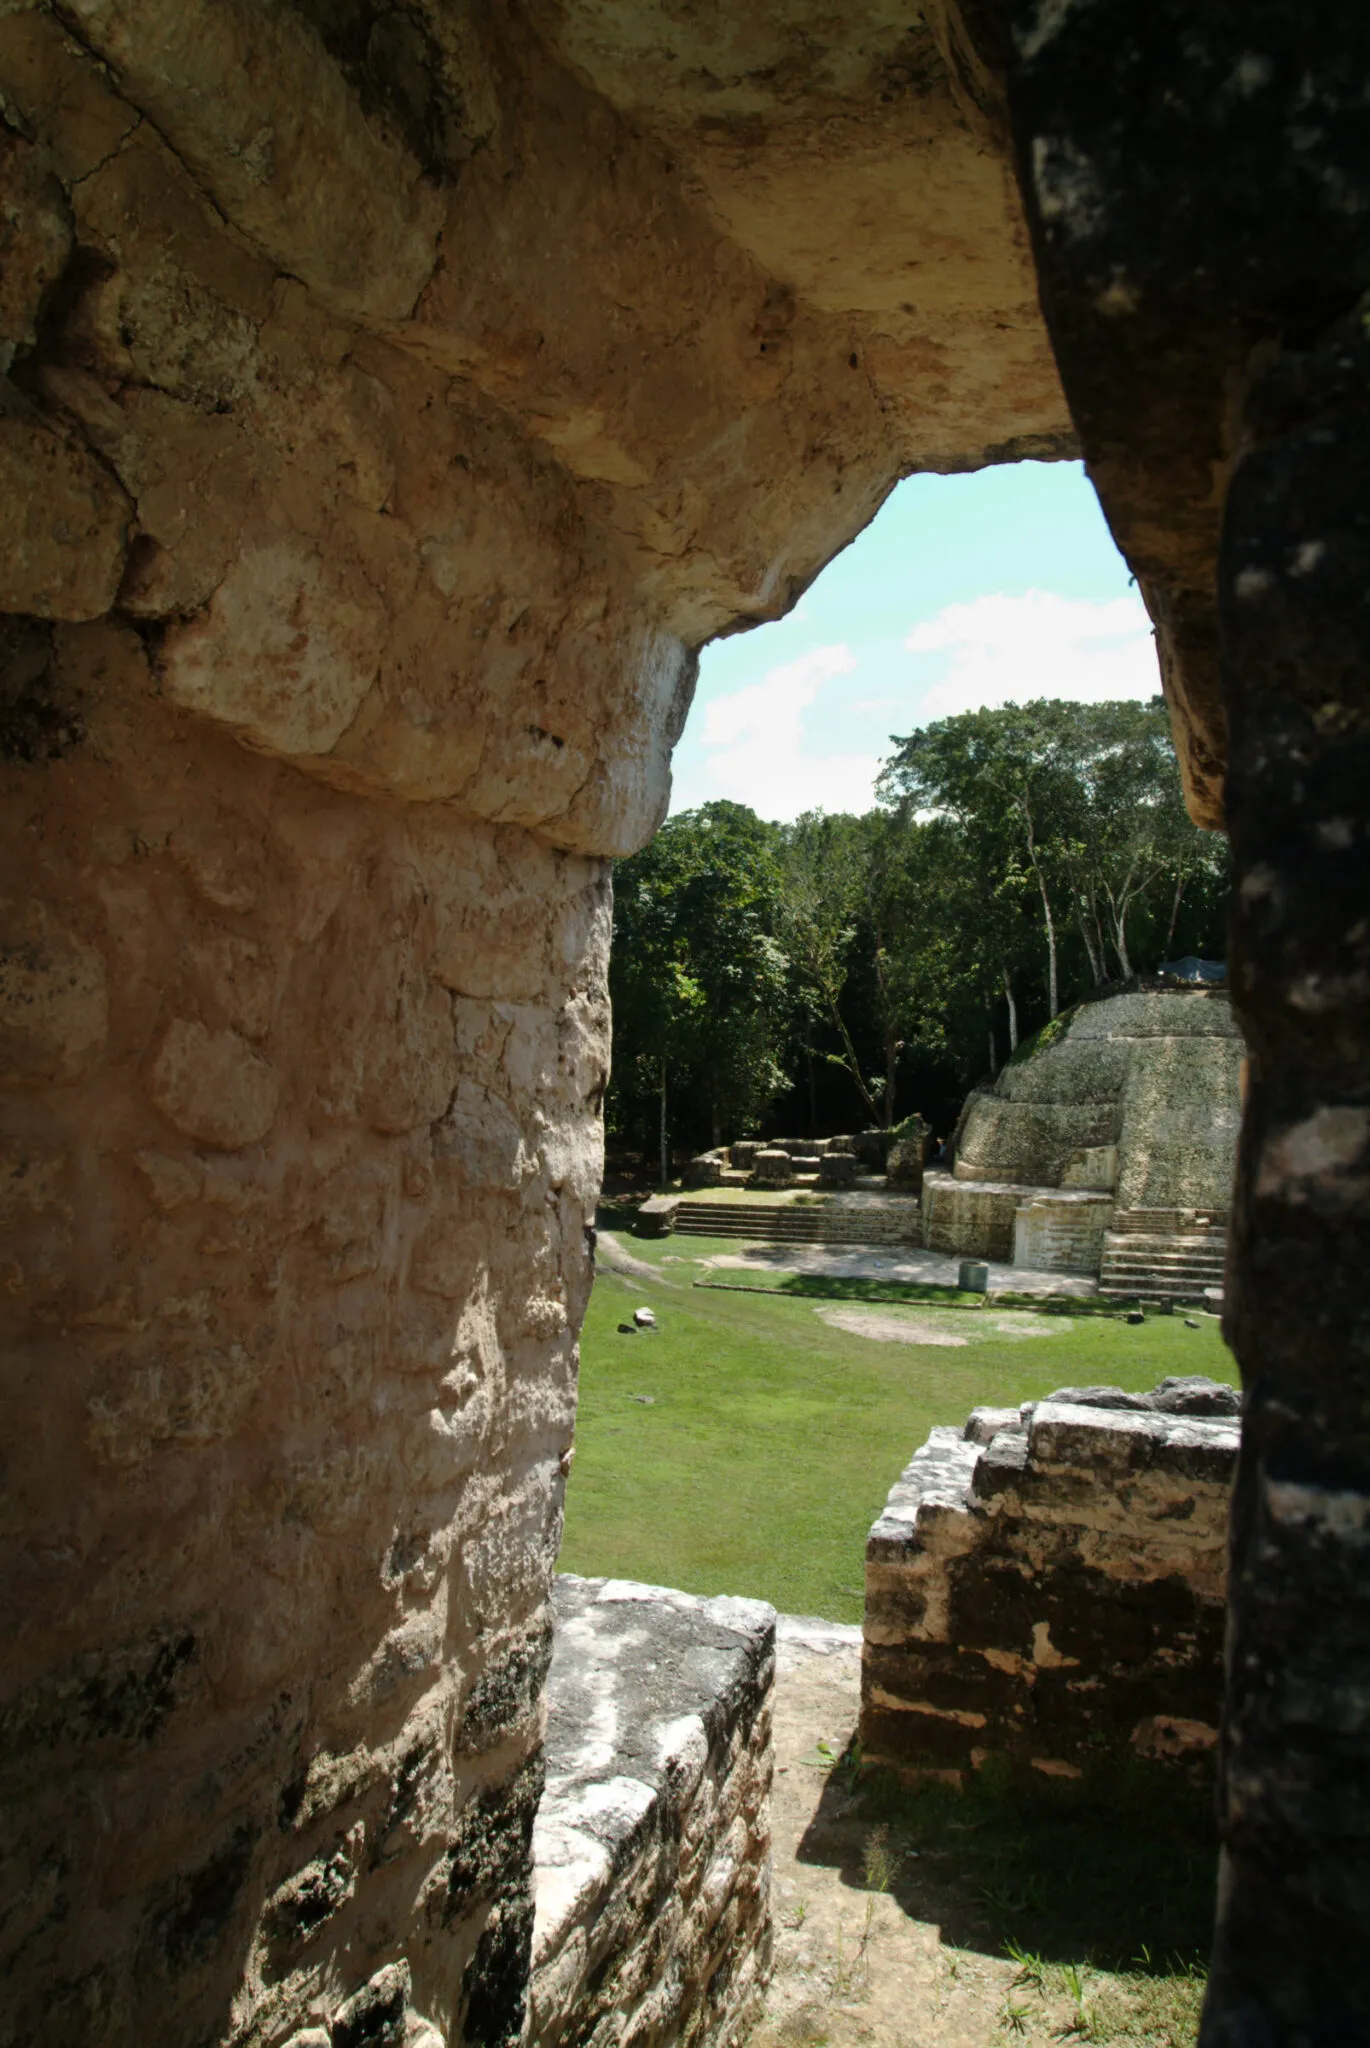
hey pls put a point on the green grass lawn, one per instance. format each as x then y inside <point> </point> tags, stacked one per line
<point>746,1445</point>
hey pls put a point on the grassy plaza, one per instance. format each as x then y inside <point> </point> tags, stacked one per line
<point>748,1442</point>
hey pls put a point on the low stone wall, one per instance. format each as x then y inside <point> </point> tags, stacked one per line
<point>1048,1585</point>
<point>1062,1232</point>
<point>652,1843</point>
<point>972,1220</point>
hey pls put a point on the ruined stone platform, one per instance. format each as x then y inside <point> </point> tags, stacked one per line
<point>652,1843</point>
<point>1048,1585</point>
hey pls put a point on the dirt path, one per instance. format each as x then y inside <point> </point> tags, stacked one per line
<point>853,1969</point>
<point>883,1946</point>
<point>613,1255</point>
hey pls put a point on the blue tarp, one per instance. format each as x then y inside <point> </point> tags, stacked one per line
<point>1193,969</point>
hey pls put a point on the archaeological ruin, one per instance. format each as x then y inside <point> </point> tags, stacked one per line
<point>1046,1586</point>
<point>1107,1146</point>
<point>395,398</point>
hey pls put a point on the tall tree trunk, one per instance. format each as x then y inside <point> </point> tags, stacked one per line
<point>1100,954</point>
<point>850,1061</point>
<point>1180,880</point>
<point>813,1096</point>
<point>893,1047</point>
<point>1012,1013</point>
<point>993,1055</point>
<point>1095,967</point>
<point>665,1156</point>
<point>1053,996</point>
<point>1118,907</point>
<point>1118,916</point>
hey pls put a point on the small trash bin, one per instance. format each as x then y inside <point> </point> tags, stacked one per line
<point>973,1277</point>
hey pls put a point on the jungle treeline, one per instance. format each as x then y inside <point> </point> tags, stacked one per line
<point>844,971</point>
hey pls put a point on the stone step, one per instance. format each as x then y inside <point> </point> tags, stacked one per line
<point>1164,1261</point>
<point>783,1225</point>
<point>1166,1258</point>
<point>1171,1265</point>
<point>1148,1241</point>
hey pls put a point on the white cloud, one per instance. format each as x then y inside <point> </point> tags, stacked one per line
<point>755,743</point>
<point>1006,650</point>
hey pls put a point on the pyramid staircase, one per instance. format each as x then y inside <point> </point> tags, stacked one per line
<point>1164,1255</point>
<point>792,1223</point>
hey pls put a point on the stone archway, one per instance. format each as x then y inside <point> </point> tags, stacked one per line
<point>396,398</point>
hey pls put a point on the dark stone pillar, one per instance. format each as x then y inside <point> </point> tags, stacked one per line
<point>1197,180</point>
<point>1292,1957</point>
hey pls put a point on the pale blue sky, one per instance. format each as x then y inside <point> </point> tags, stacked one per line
<point>964,590</point>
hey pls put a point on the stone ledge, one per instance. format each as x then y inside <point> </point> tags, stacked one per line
<point>1048,1583</point>
<point>652,1844</point>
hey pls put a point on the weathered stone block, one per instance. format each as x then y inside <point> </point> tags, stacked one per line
<point>773,1167</point>
<point>652,1845</point>
<point>656,1217</point>
<point>1049,1585</point>
<point>837,1169</point>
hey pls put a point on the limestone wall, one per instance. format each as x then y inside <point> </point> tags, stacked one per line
<point>1154,1073</point>
<point>1048,1584</point>
<point>391,401</point>
<point>652,1845</point>
<point>300,1152</point>
<point>1135,1098</point>
<point>974,1222</point>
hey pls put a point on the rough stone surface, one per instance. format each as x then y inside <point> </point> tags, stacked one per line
<point>392,400</point>
<point>295,1208</point>
<point>1153,1075</point>
<point>652,1843</point>
<point>1047,1585</point>
<point>837,1170</point>
<point>904,1160</point>
<point>1127,1114</point>
<point>705,1170</point>
<point>773,1167</point>
<point>1217,370</point>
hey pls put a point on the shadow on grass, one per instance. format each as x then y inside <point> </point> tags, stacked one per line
<point>824,1287</point>
<point>1117,1870</point>
<point>819,1287</point>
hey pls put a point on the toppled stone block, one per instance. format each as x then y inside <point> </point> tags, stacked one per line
<point>657,1216</point>
<point>773,1167</point>
<point>652,1843</point>
<point>1049,1585</point>
<point>837,1170</point>
<point>705,1171</point>
<point>743,1154</point>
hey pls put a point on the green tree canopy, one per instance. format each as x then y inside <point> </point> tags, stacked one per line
<point>698,976</point>
<point>1016,858</point>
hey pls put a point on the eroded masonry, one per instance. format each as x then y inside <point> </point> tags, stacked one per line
<point>394,401</point>
<point>1046,1586</point>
